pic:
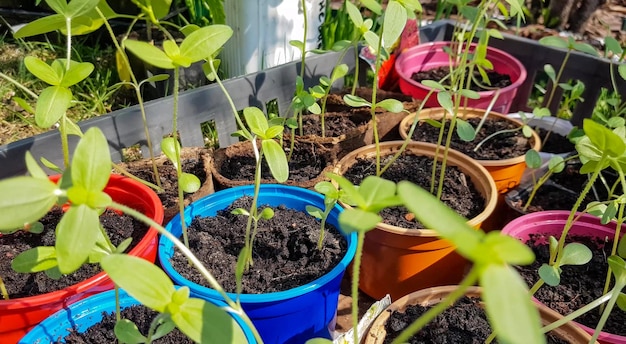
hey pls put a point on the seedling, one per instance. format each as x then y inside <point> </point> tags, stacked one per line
<point>331,197</point>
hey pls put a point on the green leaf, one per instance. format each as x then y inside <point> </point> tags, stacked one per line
<point>575,254</point>
<point>33,167</point>
<point>58,6</point>
<point>266,213</point>
<point>240,211</point>
<point>372,40</point>
<point>621,248</point>
<point>297,44</point>
<point>550,72</point>
<point>25,200</point>
<point>609,213</point>
<point>604,139</point>
<point>506,249</point>
<point>357,220</point>
<point>433,84</point>
<point>339,72</point>
<point>435,215</point>
<point>240,268</point>
<point>205,42</point>
<point>355,101</point>
<point>465,130</point>
<point>527,131</point>
<point>556,164</point>
<point>91,166</point>
<point>588,150</point>
<point>373,6</point>
<point>169,146</point>
<point>554,41</point>
<point>127,332</point>
<point>612,45</point>
<point>152,287</point>
<point>471,94</point>
<point>35,259</point>
<point>532,158</point>
<point>77,233</point>
<point>319,341</point>
<point>190,183</point>
<point>71,128</point>
<point>621,301</point>
<point>256,121</point>
<point>585,48</point>
<point>445,100</point>
<point>377,192</point>
<point>40,26</point>
<point>149,53</point>
<point>433,123</point>
<point>276,160</point>
<point>42,70</point>
<point>354,14</point>
<point>204,322</point>
<point>550,274</point>
<point>394,22</point>
<point>325,187</point>
<point>503,290</point>
<point>622,71</point>
<point>77,8</point>
<point>314,211</point>
<point>541,112</point>
<point>52,103</point>
<point>618,267</point>
<point>77,73</point>
<point>391,105</point>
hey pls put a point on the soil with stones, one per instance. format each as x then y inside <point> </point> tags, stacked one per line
<point>307,162</point>
<point>579,285</point>
<point>504,145</point>
<point>496,80</point>
<point>285,253</point>
<point>102,332</point>
<point>168,177</point>
<point>458,191</point>
<point>556,144</point>
<point>464,323</point>
<point>119,228</point>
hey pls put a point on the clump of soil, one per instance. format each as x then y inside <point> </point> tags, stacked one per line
<point>285,250</point>
<point>580,284</point>
<point>102,332</point>
<point>459,193</point>
<point>463,323</point>
<point>119,228</point>
<point>496,80</point>
<point>504,145</point>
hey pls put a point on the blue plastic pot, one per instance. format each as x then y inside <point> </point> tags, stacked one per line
<point>87,312</point>
<point>290,316</point>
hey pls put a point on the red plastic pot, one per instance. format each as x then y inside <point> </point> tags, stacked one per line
<point>431,55</point>
<point>552,223</point>
<point>17,316</point>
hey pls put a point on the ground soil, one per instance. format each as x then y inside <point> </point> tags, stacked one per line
<point>496,80</point>
<point>285,250</point>
<point>102,332</point>
<point>556,144</point>
<point>335,101</point>
<point>464,323</point>
<point>579,286</point>
<point>458,191</point>
<point>550,197</point>
<point>335,123</point>
<point>119,228</point>
<point>307,162</point>
<point>503,146</point>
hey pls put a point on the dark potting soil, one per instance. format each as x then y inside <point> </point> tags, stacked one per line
<point>119,228</point>
<point>463,323</point>
<point>168,177</point>
<point>335,102</point>
<point>285,253</point>
<point>556,143</point>
<point>458,191</point>
<point>307,162</point>
<point>335,124</point>
<point>579,285</point>
<point>496,80</point>
<point>550,197</point>
<point>503,146</point>
<point>102,332</point>
<point>571,178</point>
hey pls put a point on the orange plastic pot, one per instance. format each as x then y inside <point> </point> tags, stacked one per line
<point>397,260</point>
<point>17,316</point>
<point>507,173</point>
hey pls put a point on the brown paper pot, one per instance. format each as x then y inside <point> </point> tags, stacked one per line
<point>396,260</point>
<point>507,173</point>
<point>427,297</point>
<point>187,153</point>
<point>221,156</point>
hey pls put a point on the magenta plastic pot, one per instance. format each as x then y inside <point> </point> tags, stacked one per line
<point>431,55</point>
<point>552,223</point>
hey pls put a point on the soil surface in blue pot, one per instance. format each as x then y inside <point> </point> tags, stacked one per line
<point>285,253</point>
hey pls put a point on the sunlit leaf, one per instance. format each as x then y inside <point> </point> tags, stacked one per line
<point>25,200</point>
<point>35,259</point>
<point>366,220</point>
<point>91,166</point>
<point>465,130</point>
<point>222,327</point>
<point>205,42</point>
<point>77,233</point>
<point>149,53</point>
<point>52,103</point>
<point>532,158</point>
<point>550,274</point>
<point>276,160</point>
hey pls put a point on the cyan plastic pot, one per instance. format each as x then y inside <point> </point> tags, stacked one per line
<point>290,316</point>
<point>88,312</point>
<point>551,223</point>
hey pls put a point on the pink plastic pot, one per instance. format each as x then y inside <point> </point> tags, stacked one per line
<point>431,55</point>
<point>17,316</point>
<point>552,223</point>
